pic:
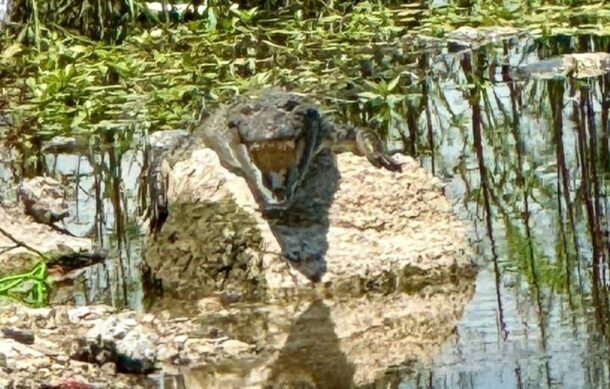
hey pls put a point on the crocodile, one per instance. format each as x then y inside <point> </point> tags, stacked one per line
<point>272,139</point>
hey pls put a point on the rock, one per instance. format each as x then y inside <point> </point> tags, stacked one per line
<point>168,354</point>
<point>21,336</point>
<point>97,351</point>
<point>38,236</point>
<point>137,351</point>
<point>196,349</point>
<point>579,65</point>
<point>70,384</point>
<point>109,368</point>
<point>67,145</point>
<point>43,199</point>
<point>466,37</point>
<point>354,229</point>
<point>41,313</point>
<point>47,360</point>
<point>90,312</point>
<point>113,329</point>
<point>235,347</point>
<point>164,141</point>
<point>130,344</point>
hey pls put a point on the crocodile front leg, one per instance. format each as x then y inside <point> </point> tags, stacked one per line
<point>369,145</point>
<point>234,156</point>
<point>361,142</point>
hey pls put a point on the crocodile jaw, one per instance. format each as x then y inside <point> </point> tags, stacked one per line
<point>277,163</point>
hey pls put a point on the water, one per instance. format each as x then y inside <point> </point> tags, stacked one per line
<point>528,167</point>
<point>525,162</point>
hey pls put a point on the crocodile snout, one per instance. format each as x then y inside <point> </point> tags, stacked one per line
<point>277,162</point>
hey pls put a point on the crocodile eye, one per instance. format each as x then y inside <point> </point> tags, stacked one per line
<point>290,105</point>
<point>312,113</point>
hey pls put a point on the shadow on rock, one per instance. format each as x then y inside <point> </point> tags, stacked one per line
<point>301,230</point>
<point>203,247</point>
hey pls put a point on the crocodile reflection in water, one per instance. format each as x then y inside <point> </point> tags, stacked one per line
<point>272,139</point>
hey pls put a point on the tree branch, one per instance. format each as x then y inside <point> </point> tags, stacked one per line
<point>23,244</point>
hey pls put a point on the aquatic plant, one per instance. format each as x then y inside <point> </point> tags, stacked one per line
<point>28,287</point>
<point>98,68</point>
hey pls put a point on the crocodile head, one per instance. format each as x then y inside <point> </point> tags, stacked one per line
<point>281,135</point>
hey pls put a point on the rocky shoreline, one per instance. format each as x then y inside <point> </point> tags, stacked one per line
<point>380,285</point>
<point>100,347</point>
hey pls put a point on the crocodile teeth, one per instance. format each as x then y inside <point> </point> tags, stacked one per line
<point>300,149</point>
<point>278,179</point>
<point>274,155</point>
<point>273,145</point>
<point>279,164</point>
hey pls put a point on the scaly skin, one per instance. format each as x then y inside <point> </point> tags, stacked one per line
<point>271,141</point>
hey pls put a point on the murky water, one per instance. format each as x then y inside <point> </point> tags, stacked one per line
<point>526,163</point>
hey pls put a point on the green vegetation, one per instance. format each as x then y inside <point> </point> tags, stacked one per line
<point>29,287</point>
<point>106,68</point>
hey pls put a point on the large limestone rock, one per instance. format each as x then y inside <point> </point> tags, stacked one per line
<point>353,229</point>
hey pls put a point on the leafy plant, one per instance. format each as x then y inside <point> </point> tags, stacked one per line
<point>109,20</point>
<point>383,100</point>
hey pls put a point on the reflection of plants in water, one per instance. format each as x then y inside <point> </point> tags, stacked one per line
<point>29,287</point>
<point>548,273</point>
<point>512,189</point>
<point>541,155</point>
<point>107,20</point>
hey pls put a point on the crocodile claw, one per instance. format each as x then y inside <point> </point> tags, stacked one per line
<point>369,144</point>
<point>386,162</point>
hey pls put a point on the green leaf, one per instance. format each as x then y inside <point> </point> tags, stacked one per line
<point>368,95</point>
<point>11,51</point>
<point>393,83</point>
